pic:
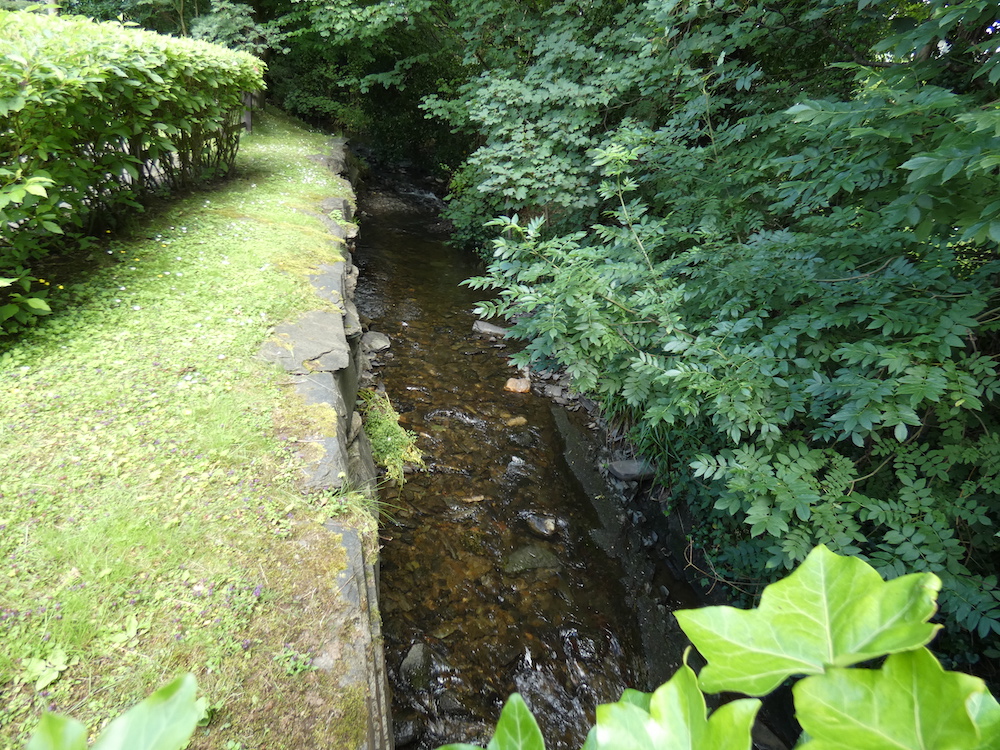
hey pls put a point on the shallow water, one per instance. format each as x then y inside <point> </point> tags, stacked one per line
<point>492,579</point>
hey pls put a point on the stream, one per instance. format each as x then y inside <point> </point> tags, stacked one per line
<point>504,564</point>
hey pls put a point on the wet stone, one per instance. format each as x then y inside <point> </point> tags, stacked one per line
<point>523,439</point>
<point>449,703</point>
<point>373,341</point>
<point>518,385</point>
<point>416,667</point>
<point>531,557</point>
<point>631,471</point>
<point>407,729</point>
<point>543,526</point>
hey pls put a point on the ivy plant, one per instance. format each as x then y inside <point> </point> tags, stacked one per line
<point>163,721</point>
<point>832,613</point>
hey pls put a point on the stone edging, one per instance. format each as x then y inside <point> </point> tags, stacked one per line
<point>325,353</point>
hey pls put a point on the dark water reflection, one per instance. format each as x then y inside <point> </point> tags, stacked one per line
<point>492,581</point>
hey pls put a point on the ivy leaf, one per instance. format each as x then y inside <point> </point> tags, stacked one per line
<point>56,732</point>
<point>164,721</point>
<point>985,713</point>
<point>516,730</point>
<point>676,720</point>
<point>911,702</point>
<point>832,611</point>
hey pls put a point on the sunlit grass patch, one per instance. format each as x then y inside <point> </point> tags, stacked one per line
<point>150,506</point>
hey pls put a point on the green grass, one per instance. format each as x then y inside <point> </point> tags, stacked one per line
<point>151,520</point>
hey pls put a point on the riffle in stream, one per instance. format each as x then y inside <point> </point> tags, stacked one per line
<point>500,571</point>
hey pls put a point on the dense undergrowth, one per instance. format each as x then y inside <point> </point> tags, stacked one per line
<point>151,520</point>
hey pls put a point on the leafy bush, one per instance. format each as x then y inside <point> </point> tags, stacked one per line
<point>96,116</point>
<point>828,615</point>
<point>791,292</point>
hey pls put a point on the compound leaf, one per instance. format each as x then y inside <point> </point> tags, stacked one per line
<point>832,611</point>
<point>911,702</point>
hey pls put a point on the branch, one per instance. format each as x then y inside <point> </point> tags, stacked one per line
<point>855,278</point>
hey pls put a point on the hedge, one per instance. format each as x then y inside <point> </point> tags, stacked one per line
<point>93,117</point>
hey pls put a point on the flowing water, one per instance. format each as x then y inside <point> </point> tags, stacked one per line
<point>496,574</point>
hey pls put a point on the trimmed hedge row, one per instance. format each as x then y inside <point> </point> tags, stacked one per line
<point>93,116</point>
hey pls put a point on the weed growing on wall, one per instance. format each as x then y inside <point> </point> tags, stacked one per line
<point>394,448</point>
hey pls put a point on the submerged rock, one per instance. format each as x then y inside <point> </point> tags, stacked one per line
<point>531,557</point>
<point>407,729</point>
<point>488,329</point>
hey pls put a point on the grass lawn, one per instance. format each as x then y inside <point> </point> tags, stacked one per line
<point>151,521</point>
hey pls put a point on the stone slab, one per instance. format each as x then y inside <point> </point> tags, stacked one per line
<point>316,341</point>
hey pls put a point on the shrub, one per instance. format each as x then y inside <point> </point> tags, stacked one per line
<point>96,117</point>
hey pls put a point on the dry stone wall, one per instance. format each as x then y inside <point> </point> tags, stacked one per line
<point>325,353</point>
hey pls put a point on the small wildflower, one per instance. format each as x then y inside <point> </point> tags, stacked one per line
<point>136,307</point>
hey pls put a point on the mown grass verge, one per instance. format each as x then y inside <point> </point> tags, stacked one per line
<point>151,520</point>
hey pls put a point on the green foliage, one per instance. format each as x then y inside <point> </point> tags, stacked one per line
<point>163,721</point>
<point>674,716</point>
<point>96,117</point>
<point>516,730</point>
<point>393,447</point>
<point>364,67</point>
<point>769,244</point>
<point>830,613</point>
<point>233,25</point>
<point>852,616</point>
